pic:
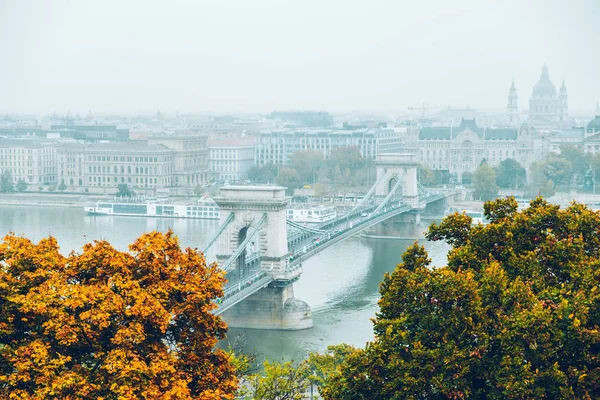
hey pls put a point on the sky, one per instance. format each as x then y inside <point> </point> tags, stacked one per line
<point>247,56</point>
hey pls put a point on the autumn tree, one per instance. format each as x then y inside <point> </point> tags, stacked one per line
<point>307,163</point>
<point>289,178</point>
<point>107,324</point>
<point>278,381</point>
<point>484,182</point>
<point>514,315</point>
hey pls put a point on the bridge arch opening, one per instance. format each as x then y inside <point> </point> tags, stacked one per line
<point>392,183</point>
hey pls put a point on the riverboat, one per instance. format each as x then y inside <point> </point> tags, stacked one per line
<point>312,214</point>
<point>204,208</point>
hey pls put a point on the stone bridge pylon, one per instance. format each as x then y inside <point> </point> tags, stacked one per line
<point>398,168</point>
<point>263,208</point>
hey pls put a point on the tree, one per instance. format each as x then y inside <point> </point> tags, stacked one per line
<point>280,381</point>
<point>21,185</point>
<point>510,174</point>
<point>426,176</point>
<point>348,165</point>
<point>6,182</point>
<point>484,182</point>
<point>124,191</point>
<point>52,188</point>
<point>320,190</point>
<point>514,315</point>
<point>290,178</point>
<point>111,324</point>
<point>264,174</point>
<point>579,160</point>
<point>307,163</point>
<point>62,187</point>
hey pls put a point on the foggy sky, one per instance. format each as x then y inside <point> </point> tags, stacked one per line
<point>259,55</point>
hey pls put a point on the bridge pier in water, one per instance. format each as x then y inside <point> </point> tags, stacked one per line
<point>274,306</point>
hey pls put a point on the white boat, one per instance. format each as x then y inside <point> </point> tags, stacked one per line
<point>477,216</point>
<point>204,208</point>
<point>311,214</point>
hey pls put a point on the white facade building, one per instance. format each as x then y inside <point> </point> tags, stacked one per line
<point>231,159</point>
<point>277,146</point>
<point>137,164</point>
<point>459,150</point>
<point>32,160</point>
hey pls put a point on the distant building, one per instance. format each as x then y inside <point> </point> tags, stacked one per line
<point>30,159</point>
<point>231,159</point>
<point>458,151</point>
<point>305,118</point>
<point>592,134</point>
<point>92,133</point>
<point>277,146</point>
<point>547,110</point>
<point>191,156</point>
<point>137,164</point>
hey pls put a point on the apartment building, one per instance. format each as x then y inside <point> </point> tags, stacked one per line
<point>231,159</point>
<point>137,164</point>
<point>31,159</point>
<point>277,146</point>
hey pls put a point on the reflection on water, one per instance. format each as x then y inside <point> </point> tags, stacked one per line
<point>341,283</point>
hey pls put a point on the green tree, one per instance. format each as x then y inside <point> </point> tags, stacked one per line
<point>426,176</point>
<point>264,174</point>
<point>52,188</point>
<point>280,381</point>
<point>559,170</point>
<point>21,185</point>
<point>290,178</point>
<point>484,182</point>
<point>307,163</point>
<point>124,191</point>
<point>514,315</point>
<point>62,186</point>
<point>510,174</point>
<point>6,182</point>
<point>580,161</point>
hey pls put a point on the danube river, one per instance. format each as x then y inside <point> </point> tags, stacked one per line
<point>341,283</point>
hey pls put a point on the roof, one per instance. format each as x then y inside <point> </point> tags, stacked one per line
<point>437,133</point>
<point>501,134</point>
<point>135,146</point>
<point>594,124</point>
<point>237,142</point>
<point>27,142</point>
<point>447,133</point>
<point>544,87</point>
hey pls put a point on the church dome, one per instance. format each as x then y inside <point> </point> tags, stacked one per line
<point>544,87</point>
<point>594,125</point>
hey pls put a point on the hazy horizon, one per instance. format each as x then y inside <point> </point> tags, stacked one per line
<point>259,56</point>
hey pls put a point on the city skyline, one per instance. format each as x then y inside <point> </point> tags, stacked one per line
<point>191,57</point>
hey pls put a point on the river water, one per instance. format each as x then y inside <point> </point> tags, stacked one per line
<point>341,284</point>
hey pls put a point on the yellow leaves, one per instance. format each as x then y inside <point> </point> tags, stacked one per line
<point>100,324</point>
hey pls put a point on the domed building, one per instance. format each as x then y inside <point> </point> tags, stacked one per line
<point>594,125</point>
<point>547,110</point>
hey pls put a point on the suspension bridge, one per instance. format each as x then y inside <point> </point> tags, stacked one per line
<point>262,252</point>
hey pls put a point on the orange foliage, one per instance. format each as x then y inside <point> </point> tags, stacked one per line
<point>106,324</point>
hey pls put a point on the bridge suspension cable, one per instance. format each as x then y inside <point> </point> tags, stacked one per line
<point>367,196</point>
<point>303,228</point>
<point>242,247</point>
<point>216,235</point>
<point>388,197</point>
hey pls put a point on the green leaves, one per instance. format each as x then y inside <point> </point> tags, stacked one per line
<point>515,314</point>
